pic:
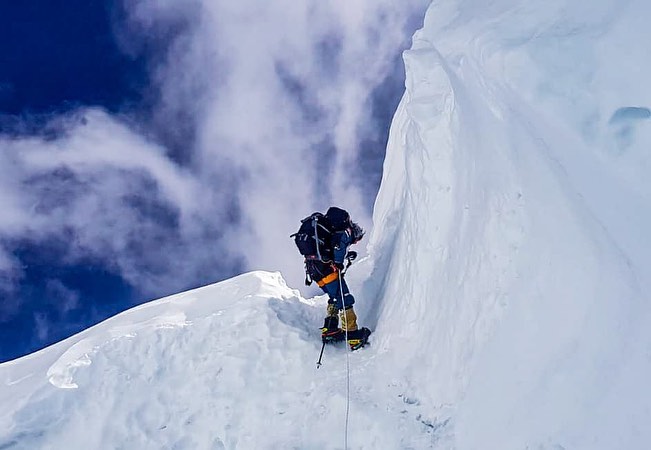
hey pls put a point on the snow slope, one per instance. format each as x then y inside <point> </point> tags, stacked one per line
<point>511,228</point>
<point>507,279</point>
<point>226,366</point>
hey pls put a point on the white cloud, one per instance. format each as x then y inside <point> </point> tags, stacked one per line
<point>111,192</point>
<point>9,276</point>
<point>276,93</point>
<point>284,81</point>
<point>42,325</point>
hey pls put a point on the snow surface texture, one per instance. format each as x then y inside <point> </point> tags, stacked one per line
<point>226,366</point>
<point>511,228</point>
<point>507,281</point>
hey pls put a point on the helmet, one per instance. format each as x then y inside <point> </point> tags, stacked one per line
<point>356,232</point>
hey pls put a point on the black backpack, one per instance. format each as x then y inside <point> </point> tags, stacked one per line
<point>314,236</point>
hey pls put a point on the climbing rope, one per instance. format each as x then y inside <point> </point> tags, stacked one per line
<point>345,324</point>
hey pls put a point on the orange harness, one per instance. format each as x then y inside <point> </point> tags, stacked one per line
<point>328,279</point>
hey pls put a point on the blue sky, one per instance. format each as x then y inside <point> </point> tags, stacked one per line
<point>60,54</point>
<point>140,144</point>
<point>57,56</point>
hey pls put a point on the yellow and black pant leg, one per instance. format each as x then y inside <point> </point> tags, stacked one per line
<point>348,319</point>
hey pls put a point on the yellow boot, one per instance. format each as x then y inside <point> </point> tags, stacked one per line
<point>357,337</point>
<point>348,319</point>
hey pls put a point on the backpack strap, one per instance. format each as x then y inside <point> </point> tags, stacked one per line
<point>316,237</point>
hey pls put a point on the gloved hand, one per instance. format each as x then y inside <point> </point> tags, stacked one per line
<point>352,255</point>
<point>339,266</point>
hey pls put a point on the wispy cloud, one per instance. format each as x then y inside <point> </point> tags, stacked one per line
<point>266,104</point>
<point>65,298</point>
<point>42,326</point>
<point>286,91</point>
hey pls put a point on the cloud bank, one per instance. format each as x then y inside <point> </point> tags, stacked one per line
<point>259,112</point>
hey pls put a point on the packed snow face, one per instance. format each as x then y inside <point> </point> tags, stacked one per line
<point>510,246</point>
<point>507,282</point>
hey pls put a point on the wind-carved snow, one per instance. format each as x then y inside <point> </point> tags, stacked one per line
<point>60,373</point>
<point>519,265</point>
<point>507,279</point>
<point>166,313</point>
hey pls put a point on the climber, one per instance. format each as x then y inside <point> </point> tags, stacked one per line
<point>324,240</point>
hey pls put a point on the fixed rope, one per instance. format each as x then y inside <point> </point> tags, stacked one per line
<point>345,324</point>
